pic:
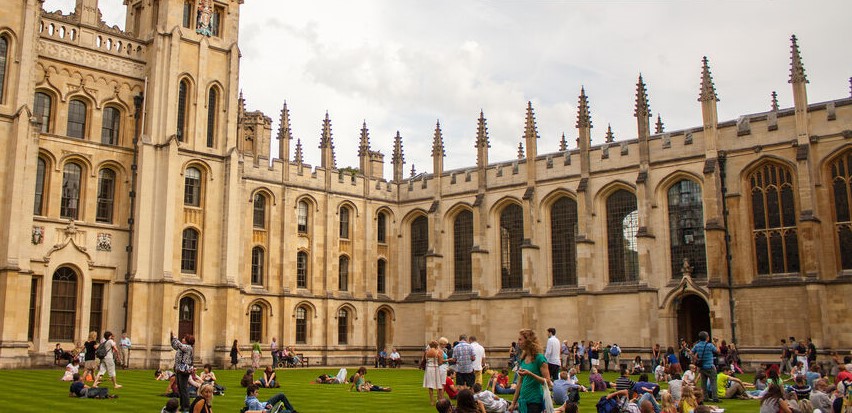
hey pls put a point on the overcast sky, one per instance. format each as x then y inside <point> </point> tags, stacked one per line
<point>402,65</point>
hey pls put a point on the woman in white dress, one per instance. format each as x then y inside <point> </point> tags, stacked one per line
<point>432,375</point>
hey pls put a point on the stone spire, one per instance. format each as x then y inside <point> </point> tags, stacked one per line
<point>643,108</point>
<point>284,134</point>
<point>520,150</point>
<point>584,119</point>
<point>563,144</point>
<point>659,125</point>
<point>438,152</point>
<point>482,141</point>
<point>327,145</point>
<point>413,171</point>
<point>797,69</point>
<point>298,158</point>
<point>610,138</point>
<point>397,158</point>
<point>708,89</point>
<point>774,101</point>
<point>364,146</point>
<point>241,105</point>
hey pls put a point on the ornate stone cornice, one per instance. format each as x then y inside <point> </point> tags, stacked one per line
<point>100,61</point>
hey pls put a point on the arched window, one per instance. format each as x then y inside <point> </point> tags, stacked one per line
<point>106,195</point>
<point>381,276</point>
<point>381,228</point>
<point>622,223</point>
<point>187,14</point>
<point>183,95</point>
<point>69,206</point>
<point>776,244</point>
<point>41,170</point>
<point>301,269</point>
<point>686,225</point>
<point>301,325</point>
<point>419,247</point>
<point>343,273</point>
<point>41,111</point>
<point>189,251</point>
<point>563,241</point>
<point>212,103</point>
<point>256,323</point>
<point>344,223</point>
<point>63,305</point>
<point>111,125</point>
<point>192,187</point>
<point>257,266</point>
<point>462,245</point>
<point>302,218</point>
<point>841,183</point>
<point>342,327</point>
<point>76,119</point>
<point>259,216</point>
<point>511,237</point>
<point>4,51</point>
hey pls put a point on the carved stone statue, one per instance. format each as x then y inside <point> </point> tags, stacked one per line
<point>205,14</point>
<point>686,269</point>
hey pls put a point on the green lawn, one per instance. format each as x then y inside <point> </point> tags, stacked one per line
<point>41,391</point>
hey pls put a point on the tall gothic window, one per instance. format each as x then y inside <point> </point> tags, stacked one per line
<point>776,244</point>
<point>189,251</point>
<point>841,182</point>
<point>4,52</point>
<point>187,14</point>
<point>76,119</point>
<point>259,216</point>
<point>343,327</point>
<point>183,95</point>
<point>302,217</point>
<point>343,273</point>
<point>511,237</point>
<point>257,266</point>
<point>686,223</point>
<point>301,269</point>
<point>381,228</point>
<point>106,195</point>
<point>344,223</point>
<point>622,223</point>
<point>301,325</point>
<point>462,245</point>
<point>41,110</point>
<point>41,170</point>
<point>110,126</point>
<point>63,305</point>
<point>96,312</point>
<point>419,246</point>
<point>33,315</point>
<point>563,241</point>
<point>216,22</point>
<point>256,323</point>
<point>192,187</point>
<point>381,276</point>
<point>69,206</point>
<point>212,103</point>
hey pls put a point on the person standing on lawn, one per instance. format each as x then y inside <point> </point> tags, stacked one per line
<point>704,353</point>
<point>551,353</point>
<point>183,366</point>
<point>534,372</point>
<point>108,362</point>
<point>124,346</point>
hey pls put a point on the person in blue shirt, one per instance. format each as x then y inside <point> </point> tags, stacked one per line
<point>704,353</point>
<point>252,403</point>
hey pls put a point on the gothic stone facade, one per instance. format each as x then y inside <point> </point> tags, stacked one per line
<point>173,217</point>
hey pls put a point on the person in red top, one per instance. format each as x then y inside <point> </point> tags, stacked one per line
<point>499,384</point>
<point>450,386</point>
<point>845,374</point>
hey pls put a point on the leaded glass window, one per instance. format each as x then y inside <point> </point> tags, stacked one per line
<point>343,273</point>
<point>257,266</point>
<point>381,228</point>
<point>301,325</point>
<point>96,312</point>
<point>192,187</point>
<point>189,251</point>
<point>212,102</point>
<point>41,111</point>
<point>110,126</point>
<point>76,119</point>
<point>344,223</point>
<point>686,226</point>
<point>563,241</point>
<point>381,276</point>
<point>462,245</point>
<point>301,270</point>
<point>511,237</point>
<point>183,95</point>
<point>63,305</point>
<point>342,327</point>
<point>69,206</point>
<point>302,217</point>
<point>841,183</point>
<point>419,247</point>
<point>259,216</point>
<point>187,14</point>
<point>622,224</point>
<point>776,243</point>
<point>106,195</point>
<point>256,323</point>
<point>4,52</point>
<point>41,170</point>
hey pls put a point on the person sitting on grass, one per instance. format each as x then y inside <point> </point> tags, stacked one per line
<point>203,401</point>
<point>467,403</point>
<point>730,387</point>
<point>171,406</point>
<point>269,380</point>
<point>163,374</point>
<point>491,402</point>
<point>624,382</point>
<point>70,370</point>
<point>81,390</point>
<point>248,378</point>
<point>499,383</point>
<point>359,382</point>
<point>326,379</point>
<point>638,366</point>
<point>562,387</point>
<point>688,402</point>
<point>444,406</point>
<point>689,375</point>
<point>803,391</point>
<point>597,382</point>
<point>255,405</point>
<point>568,407</point>
<point>450,385</point>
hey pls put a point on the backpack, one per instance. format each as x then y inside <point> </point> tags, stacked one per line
<point>609,405</point>
<point>615,351</point>
<point>573,396</point>
<point>102,351</point>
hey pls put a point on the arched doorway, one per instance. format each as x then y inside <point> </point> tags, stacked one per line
<point>383,329</point>
<point>186,316</point>
<point>693,315</point>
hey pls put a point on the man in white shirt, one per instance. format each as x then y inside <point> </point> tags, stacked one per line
<point>551,353</point>
<point>479,352</point>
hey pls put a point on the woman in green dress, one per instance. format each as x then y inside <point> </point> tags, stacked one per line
<point>529,395</point>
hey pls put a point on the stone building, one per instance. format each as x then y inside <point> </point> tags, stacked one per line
<point>139,194</point>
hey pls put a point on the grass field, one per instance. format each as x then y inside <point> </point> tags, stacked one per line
<point>42,391</point>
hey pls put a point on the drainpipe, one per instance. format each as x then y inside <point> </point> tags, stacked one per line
<point>138,114</point>
<point>722,158</point>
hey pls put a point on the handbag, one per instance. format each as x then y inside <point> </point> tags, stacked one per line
<point>548,401</point>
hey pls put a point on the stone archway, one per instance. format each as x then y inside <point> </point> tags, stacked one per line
<point>693,315</point>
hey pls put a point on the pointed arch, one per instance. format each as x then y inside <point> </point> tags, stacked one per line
<point>84,161</point>
<point>310,199</point>
<point>266,192</point>
<point>112,164</point>
<point>548,199</point>
<point>349,204</point>
<point>410,216</point>
<point>605,191</point>
<point>348,307</point>
<point>193,293</point>
<point>664,184</point>
<point>261,302</point>
<point>205,167</point>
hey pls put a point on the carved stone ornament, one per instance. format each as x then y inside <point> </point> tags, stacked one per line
<point>92,59</point>
<point>104,242</point>
<point>686,269</point>
<point>38,235</point>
